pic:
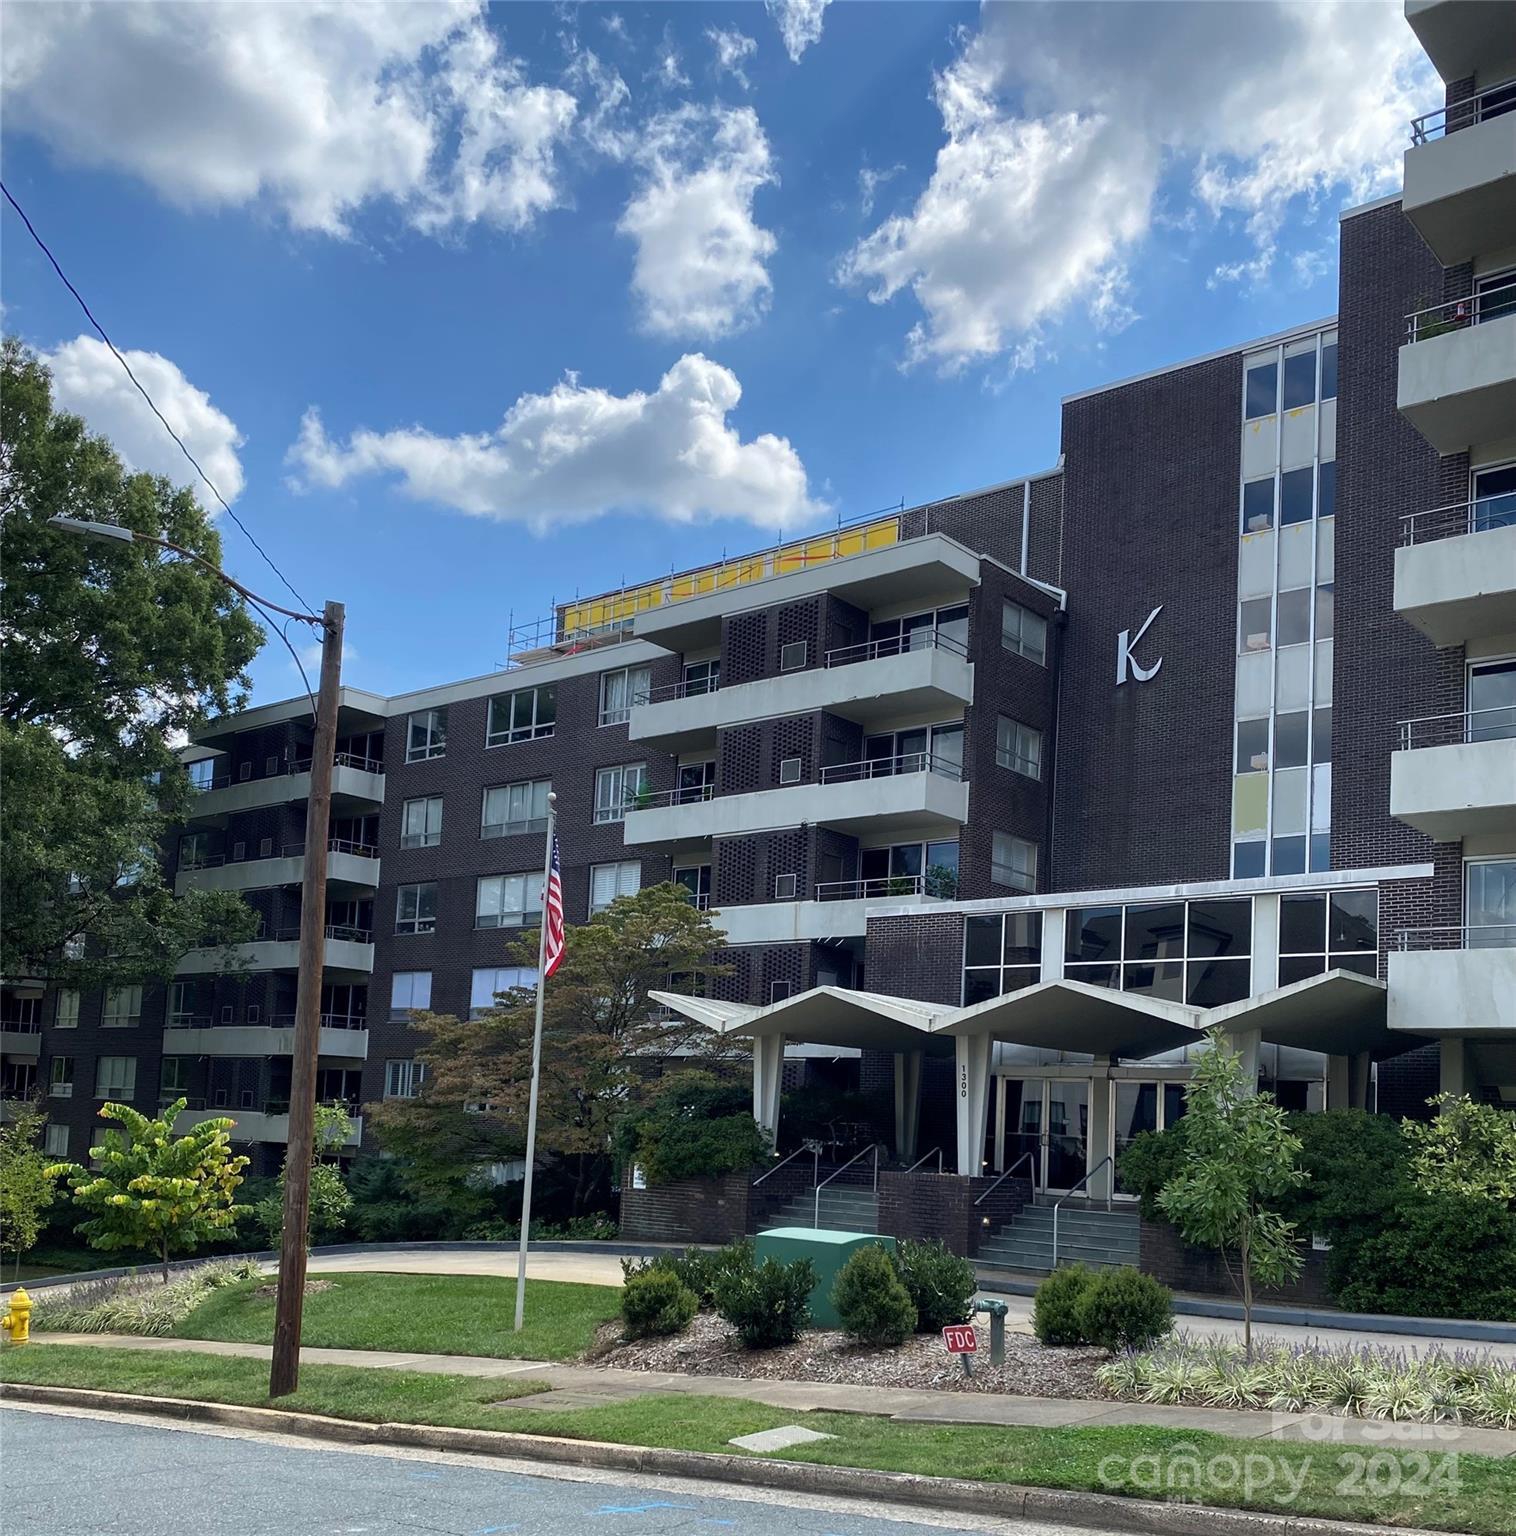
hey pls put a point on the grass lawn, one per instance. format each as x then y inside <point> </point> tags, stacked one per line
<point>420,1314</point>
<point>1483,1500</point>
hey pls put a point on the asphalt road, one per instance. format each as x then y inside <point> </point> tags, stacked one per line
<point>66,1473</point>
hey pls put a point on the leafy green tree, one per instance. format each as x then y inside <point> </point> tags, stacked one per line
<point>112,652</point>
<point>691,1125</point>
<point>330,1198</point>
<point>1468,1150</point>
<point>154,1190</point>
<point>26,1178</point>
<point>1239,1156</point>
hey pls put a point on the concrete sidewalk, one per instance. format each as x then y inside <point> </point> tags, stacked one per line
<point>581,1386</point>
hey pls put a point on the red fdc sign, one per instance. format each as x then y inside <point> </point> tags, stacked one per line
<point>960,1339</point>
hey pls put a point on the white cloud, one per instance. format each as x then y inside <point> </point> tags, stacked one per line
<point>315,109</point>
<point>799,23</point>
<point>733,49</point>
<point>1057,142</point>
<point>869,183</point>
<point>700,262</point>
<point>578,453</point>
<point>88,381</point>
<point>669,70</point>
<point>310,657</point>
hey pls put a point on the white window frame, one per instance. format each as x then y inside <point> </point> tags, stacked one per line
<point>60,1086</point>
<point>624,871</point>
<point>410,992</point>
<point>1018,746</point>
<point>504,901</point>
<point>67,1013</point>
<point>434,743</point>
<point>509,733</point>
<point>403,1077</point>
<point>414,923</point>
<point>524,795</point>
<point>1014,637</point>
<point>116,1077</point>
<point>615,786</point>
<point>55,1139</point>
<point>622,691</point>
<point>489,980</point>
<point>1020,873</point>
<point>429,834</point>
<point>122,1008</point>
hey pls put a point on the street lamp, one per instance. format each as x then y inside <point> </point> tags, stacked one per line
<point>284,1372</point>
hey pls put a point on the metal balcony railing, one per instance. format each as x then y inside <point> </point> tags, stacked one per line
<point>334,845</point>
<point>1462,728</point>
<point>21,1026</point>
<point>348,932</point>
<point>225,779</point>
<point>1494,102</point>
<point>895,645</point>
<point>328,1021</point>
<point>690,688</point>
<point>888,767</point>
<point>653,799</point>
<point>189,1021</point>
<point>1458,517</point>
<point>870,890</point>
<point>1493,302</point>
<point>1467,936</point>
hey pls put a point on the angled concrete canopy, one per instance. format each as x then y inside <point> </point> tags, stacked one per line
<point>1339,1013</point>
<point>838,1016</point>
<point>720,1017</point>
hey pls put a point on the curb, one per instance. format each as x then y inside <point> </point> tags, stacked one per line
<point>1006,1501</point>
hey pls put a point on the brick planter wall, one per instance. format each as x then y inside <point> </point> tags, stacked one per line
<point>713,1210</point>
<point>924,1206</point>
<point>1166,1256</point>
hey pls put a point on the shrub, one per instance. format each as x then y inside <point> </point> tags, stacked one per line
<point>1055,1312</point>
<point>695,1126</point>
<point>768,1303</point>
<point>1125,1309</point>
<point>697,1270</point>
<point>873,1304</point>
<point>1148,1162</point>
<point>135,1304</point>
<point>940,1284</point>
<point>656,1303</point>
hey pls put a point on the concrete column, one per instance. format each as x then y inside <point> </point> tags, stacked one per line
<point>972,1084</point>
<point>1359,1077</point>
<point>768,1075</point>
<point>1339,1077</point>
<point>1247,1043</point>
<point>1455,1065</point>
<point>907,1105</point>
<point>1265,943</point>
<point>1098,1145</point>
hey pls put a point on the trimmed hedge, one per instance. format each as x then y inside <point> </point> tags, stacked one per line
<point>655,1303</point>
<point>940,1284</point>
<point>769,1303</point>
<point>871,1301</point>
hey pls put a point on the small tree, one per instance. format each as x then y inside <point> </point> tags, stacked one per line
<point>330,1199</point>
<point>26,1179</point>
<point>153,1189</point>
<point>1469,1149</point>
<point>1239,1153</point>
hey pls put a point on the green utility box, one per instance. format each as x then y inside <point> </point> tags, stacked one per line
<point>828,1251</point>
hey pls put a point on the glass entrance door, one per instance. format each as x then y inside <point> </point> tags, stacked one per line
<point>1047,1118</point>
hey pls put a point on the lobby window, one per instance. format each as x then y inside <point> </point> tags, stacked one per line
<point>1258,505</point>
<point>1328,931</point>
<point>67,1016</point>
<point>55,1141</point>
<point>608,881</point>
<point>511,809</point>
<point>410,991</point>
<point>416,908</point>
<point>403,1079</point>
<point>1261,390</point>
<point>1024,632</point>
<point>60,1077</point>
<point>426,735</point>
<point>508,901</point>
<point>621,691</point>
<point>525,715</point>
<point>116,1077</point>
<point>1001,954</point>
<point>421,822</point>
<point>491,980</point>
<point>1013,862</point>
<point>123,1008</point>
<point>1196,952</point>
<point>618,789</point>
<point>1018,747</point>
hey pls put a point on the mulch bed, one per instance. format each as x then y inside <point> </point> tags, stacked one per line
<point>709,1348</point>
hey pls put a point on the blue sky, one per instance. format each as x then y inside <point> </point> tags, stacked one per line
<point>474,309</point>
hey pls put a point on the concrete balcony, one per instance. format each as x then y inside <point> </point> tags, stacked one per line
<point>20,1044</point>
<point>918,794</point>
<point>349,867</point>
<point>357,785</point>
<point>1460,175</point>
<point>1454,981</point>
<point>1455,775</point>
<point>348,954</point>
<point>1460,36</point>
<point>859,682</point>
<point>1457,383</point>
<point>1455,572</point>
<point>836,911</point>
<point>256,1124</point>
<point>197,1038</point>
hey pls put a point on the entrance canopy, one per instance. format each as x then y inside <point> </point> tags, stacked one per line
<point>1075,1016</point>
<point>1339,1013</point>
<point>823,1016</point>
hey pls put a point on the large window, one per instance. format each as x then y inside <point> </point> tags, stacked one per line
<point>907,869</point>
<point>1196,952</point>
<point>1490,903</point>
<point>702,676</point>
<point>1262,390</point>
<point>922,749</point>
<point>1494,498</point>
<point>1001,954</point>
<point>421,822</point>
<point>403,1079</point>
<point>116,1077</point>
<point>491,980</point>
<point>511,809</point>
<point>1018,747</point>
<point>67,1016</point>
<point>508,901</point>
<point>1321,932</point>
<point>416,908</point>
<point>55,1140</point>
<point>621,691</point>
<point>123,1008</point>
<point>60,1077</point>
<point>1013,862</point>
<point>892,636</point>
<point>608,881</point>
<point>618,789</point>
<point>1492,700</point>
<point>410,991</point>
<point>426,735</point>
<point>696,879</point>
<point>1024,632</point>
<point>521,716</point>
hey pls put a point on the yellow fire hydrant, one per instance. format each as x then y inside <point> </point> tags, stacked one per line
<point>18,1317</point>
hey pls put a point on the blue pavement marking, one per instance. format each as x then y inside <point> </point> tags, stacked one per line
<point>636,1509</point>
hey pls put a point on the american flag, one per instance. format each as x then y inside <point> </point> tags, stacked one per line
<point>553,947</point>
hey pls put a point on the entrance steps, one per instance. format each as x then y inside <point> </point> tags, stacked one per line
<point>1101,1239</point>
<point>842,1210</point>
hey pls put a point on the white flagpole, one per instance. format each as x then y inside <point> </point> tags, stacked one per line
<point>531,1114</point>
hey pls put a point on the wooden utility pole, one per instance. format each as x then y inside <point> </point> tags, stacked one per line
<point>284,1374</point>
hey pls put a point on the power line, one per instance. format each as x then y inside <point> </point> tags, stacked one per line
<point>79,298</point>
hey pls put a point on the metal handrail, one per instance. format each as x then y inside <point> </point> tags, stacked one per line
<point>893,645</point>
<point>877,885</point>
<point>1425,938</point>
<point>685,794</point>
<point>886,767</point>
<point>1459,726</point>
<point>1026,1157</point>
<point>1478,514</point>
<point>935,1152</point>
<point>689,688</point>
<point>857,1157</point>
<point>350,932</point>
<point>295,765</point>
<point>1493,303</point>
<point>1069,1194</point>
<point>815,1155</point>
<point>1493,102</point>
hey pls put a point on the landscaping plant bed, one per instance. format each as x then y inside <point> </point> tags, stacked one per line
<point>709,1347</point>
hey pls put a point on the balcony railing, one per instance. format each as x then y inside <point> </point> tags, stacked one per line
<point>887,767</point>
<point>655,799</point>
<point>690,688</point>
<point>1468,936</point>
<point>347,932</point>
<point>1462,728</point>
<point>225,779</point>
<point>1458,517</point>
<point>191,1101</point>
<point>1495,102</point>
<point>871,890</point>
<point>21,1026</point>
<point>1491,303</point>
<point>895,645</point>
<point>190,1021</point>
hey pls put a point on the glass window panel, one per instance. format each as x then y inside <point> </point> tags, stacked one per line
<point>1262,390</point>
<point>1094,975</point>
<point>1326,489</point>
<point>1321,734</point>
<point>1255,624</point>
<point>1295,968</point>
<point>1221,927</point>
<point>1164,979</point>
<point>1363,965</point>
<point>980,986</point>
<point>1295,496</point>
<point>1290,747</point>
<point>1294,616</point>
<point>1353,920</point>
<point>1289,855</point>
<point>1210,983</point>
<point>1329,370</point>
<point>1023,938</point>
<point>1321,851</point>
<point>1258,505</point>
<point>1302,925</point>
<point>1248,859</point>
<point>905,859</point>
<point>942,856</point>
<point>1326,596</point>
<point>954,623</point>
<point>1093,933</point>
<point>981,941</point>
<point>1014,977</point>
<point>1252,746</point>
<point>1173,1103</point>
<point>1300,380</point>
<point>1156,931</point>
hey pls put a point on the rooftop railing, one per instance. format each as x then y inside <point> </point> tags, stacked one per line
<point>1494,102</point>
<point>895,645</point>
<point>1458,517</point>
<point>888,767</point>
<point>1463,728</point>
<point>1466,936</point>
